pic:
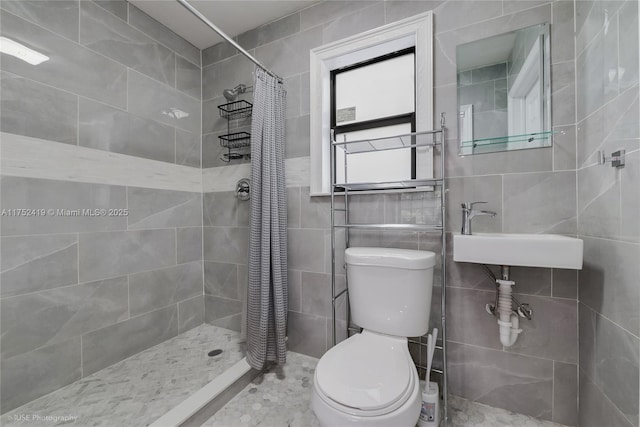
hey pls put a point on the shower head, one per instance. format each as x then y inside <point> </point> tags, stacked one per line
<point>232,94</point>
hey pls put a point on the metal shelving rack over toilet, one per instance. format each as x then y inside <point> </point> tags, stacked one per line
<point>435,139</point>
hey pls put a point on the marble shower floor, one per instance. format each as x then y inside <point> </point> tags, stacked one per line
<point>140,389</point>
<point>282,398</point>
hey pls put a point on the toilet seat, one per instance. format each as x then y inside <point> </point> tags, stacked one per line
<point>366,375</point>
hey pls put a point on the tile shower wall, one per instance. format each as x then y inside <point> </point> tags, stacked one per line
<point>80,293</point>
<point>538,376</point>
<point>608,212</point>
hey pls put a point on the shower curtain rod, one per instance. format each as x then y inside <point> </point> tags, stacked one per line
<point>221,33</point>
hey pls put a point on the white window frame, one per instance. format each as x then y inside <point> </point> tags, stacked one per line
<point>417,32</point>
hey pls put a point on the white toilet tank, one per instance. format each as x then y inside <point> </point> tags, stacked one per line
<point>390,289</point>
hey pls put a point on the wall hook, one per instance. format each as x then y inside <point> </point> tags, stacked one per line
<point>616,159</point>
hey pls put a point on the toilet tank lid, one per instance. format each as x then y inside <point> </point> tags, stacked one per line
<point>390,257</point>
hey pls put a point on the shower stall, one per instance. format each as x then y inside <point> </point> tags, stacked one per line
<point>113,288</point>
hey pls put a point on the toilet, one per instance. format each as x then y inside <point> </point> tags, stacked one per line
<point>370,379</point>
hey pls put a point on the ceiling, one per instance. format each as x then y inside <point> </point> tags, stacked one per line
<point>233,17</point>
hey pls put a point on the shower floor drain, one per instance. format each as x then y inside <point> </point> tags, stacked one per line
<point>214,352</point>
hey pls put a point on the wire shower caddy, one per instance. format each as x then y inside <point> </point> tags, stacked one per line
<point>237,144</point>
<point>434,139</point>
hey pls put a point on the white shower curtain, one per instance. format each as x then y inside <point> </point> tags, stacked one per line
<point>267,287</point>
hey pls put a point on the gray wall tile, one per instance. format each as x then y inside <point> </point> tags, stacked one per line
<point>477,189</point>
<point>520,383</point>
<point>189,244</point>
<point>563,93</point>
<point>294,288</point>
<point>72,68</point>
<point>469,322</point>
<point>156,30</point>
<point>297,137</point>
<point>552,333</point>
<point>617,372</point>
<point>323,12</point>
<point>587,319</point>
<point>565,283</point>
<point>355,23</point>
<point>116,253</point>
<point>217,52</point>
<point>226,244</point>
<point>117,7</point>
<point>316,294</point>
<point>272,31</point>
<point>609,278</point>
<point>112,37</point>
<point>290,55</point>
<point>221,279</point>
<point>528,198</point>
<point>109,345</point>
<point>307,334</point>
<point>31,375</point>
<point>150,98</point>
<point>315,212</point>
<point>60,16</point>
<point>31,109</point>
<point>306,250</point>
<point>595,409</point>
<point>629,199</point>
<point>34,263</point>
<point>190,313</point>
<point>226,74</point>
<point>110,129</point>
<point>564,148</point>
<point>188,148</point>
<point>562,31</point>
<point>188,78</point>
<point>155,289</point>
<point>60,314</point>
<point>150,208</point>
<point>293,207</point>
<point>565,394</point>
<point>598,202</point>
<point>220,209</point>
<point>610,128</point>
<point>292,86</point>
<point>217,308</point>
<point>65,195</point>
<point>628,44</point>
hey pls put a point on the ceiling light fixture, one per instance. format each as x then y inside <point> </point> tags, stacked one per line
<point>20,51</point>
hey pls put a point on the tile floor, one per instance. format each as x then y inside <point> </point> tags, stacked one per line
<point>281,398</point>
<point>140,389</point>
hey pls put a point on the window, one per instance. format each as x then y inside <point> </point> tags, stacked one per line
<point>414,33</point>
<point>375,99</point>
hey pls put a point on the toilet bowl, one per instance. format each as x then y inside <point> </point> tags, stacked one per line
<point>370,379</point>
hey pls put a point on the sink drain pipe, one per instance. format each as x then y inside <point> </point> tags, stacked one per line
<point>508,321</point>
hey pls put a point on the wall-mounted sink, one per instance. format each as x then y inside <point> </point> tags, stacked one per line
<point>526,250</point>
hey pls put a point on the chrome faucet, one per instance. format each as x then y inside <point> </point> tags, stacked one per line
<point>468,213</point>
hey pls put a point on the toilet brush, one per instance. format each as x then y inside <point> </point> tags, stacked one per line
<point>430,412</point>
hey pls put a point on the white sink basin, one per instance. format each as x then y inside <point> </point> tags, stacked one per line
<point>526,250</point>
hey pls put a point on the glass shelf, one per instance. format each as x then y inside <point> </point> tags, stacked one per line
<point>524,138</point>
<point>390,185</point>
<point>410,140</point>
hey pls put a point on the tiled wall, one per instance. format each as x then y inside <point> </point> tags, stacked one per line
<point>80,293</point>
<point>113,83</point>
<point>532,191</point>
<point>608,211</point>
<point>486,89</point>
